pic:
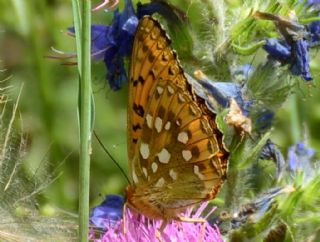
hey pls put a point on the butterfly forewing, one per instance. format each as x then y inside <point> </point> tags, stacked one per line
<point>151,59</point>
<point>175,154</point>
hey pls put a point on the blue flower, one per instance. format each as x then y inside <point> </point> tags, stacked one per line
<point>299,159</point>
<point>223,92</point>
<point>218,94</point>
<point>300,60</point>
<point>314,27</point>
<point>108,213</point>
<point>113,43</point>
<point>264,119</point>
<point>99,37</point>
<point>295,54</point>
<point>292,49</point>
<point>277,49</point>
<point>314,30</point>
<point>271,152</point>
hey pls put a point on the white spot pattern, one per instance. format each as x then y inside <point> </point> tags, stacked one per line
<point>158,124</point>
<point>160,182</point>
<point>187,155</point>
<point>181,98</point>
<point>173,174</point>
<point>149,120</point>
<point>164,156</point>
<point>170,90</point>
<point>144,150</point>
<point>167,126</point>
<point>145,172</point>
<point>183,137</point>
<point>159,90</point>
<point>196,171</point>
<point>134,177</point>
<point>154,167</point>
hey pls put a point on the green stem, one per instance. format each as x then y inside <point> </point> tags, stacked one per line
<point>77,30</point>
<point>294,119</point>
<point>84,60</point>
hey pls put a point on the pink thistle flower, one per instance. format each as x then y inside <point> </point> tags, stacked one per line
<point>139,228</point>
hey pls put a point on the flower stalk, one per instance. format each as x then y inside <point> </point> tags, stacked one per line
<point>83,38</point>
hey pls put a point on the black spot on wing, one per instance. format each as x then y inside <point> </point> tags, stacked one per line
<point>164,57</point>
<point>136,82</point>
<point>161,112</point>
<point>171,116</point>
<point>170,71</point>
<point>135,127</point>
<point>151,73</point>
<point>145,48</point>
<point>138,109</point>
<point>151,57</point>
<point>195,151</point>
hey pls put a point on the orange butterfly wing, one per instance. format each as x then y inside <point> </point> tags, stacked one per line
<point>175,151</point>
<point>151,58</point>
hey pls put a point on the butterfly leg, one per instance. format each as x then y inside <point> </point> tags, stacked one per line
<point>160,230</point>
<point>125,207</point>
<point>124,217</point>
<point>195,220</point>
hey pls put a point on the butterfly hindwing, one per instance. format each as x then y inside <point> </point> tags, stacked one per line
<point>177,159</point>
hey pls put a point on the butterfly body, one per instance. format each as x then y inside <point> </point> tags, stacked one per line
<point>176,156</point>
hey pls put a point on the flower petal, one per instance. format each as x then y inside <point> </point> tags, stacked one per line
<point>277,49</point>
<point>300,64</point>
<point>314,29</point>
<point>108,213</point>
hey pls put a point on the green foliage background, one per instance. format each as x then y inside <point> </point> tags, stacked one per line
<point>48,106</point>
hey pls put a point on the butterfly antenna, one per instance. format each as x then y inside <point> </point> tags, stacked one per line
<point>110,156</point>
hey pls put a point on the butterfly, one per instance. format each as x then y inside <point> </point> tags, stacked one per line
<point>175,151</point>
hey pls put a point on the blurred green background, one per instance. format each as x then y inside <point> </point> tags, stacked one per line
<point>48,107</point>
